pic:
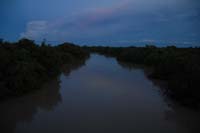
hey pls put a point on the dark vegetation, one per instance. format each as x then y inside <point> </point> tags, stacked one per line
<point>180,67</point>
<point>25,66</point>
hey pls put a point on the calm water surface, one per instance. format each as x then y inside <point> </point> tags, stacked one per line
<point>100,97</point>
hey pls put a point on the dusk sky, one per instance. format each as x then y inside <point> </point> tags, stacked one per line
<point>102,22</point>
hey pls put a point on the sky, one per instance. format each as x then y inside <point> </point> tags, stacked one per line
<point>102,22</point>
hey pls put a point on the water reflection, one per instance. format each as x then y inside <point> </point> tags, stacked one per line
<point>104,97</point>
<point>162,85</point>
<point>23,109</point>
<point>101,97</point>
<point>186,118</point>
<point>70,67</point>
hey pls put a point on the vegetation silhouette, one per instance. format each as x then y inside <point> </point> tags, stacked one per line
<point>179,67</point>
<point>26,66</point>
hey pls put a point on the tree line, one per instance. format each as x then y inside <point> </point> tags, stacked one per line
<point>26,66</point>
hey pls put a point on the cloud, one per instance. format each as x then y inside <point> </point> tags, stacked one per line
<point>41,29</point>
<point>130,20</point>
<point>88,23</point>
<point>35,29</point>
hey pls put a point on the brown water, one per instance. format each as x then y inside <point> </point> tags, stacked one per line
<point>100,97</point>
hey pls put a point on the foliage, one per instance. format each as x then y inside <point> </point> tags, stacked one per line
<point>25,66</point>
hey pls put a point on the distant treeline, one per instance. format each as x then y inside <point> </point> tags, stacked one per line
<point>180,67</point>
<point>25,66</point>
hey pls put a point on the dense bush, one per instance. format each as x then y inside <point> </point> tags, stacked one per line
<point>25,66</point>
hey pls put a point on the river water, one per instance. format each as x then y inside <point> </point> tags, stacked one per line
<point>100,97</point>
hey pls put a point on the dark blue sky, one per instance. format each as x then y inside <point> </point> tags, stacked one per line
<point>105,22</point>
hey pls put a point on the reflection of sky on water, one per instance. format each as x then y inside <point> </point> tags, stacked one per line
<point>99,97</point>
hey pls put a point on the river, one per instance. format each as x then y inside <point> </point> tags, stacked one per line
<point>100,97</point>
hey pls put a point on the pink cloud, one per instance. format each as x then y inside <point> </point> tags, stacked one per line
<point>68,27</point>
<point>102,14</point>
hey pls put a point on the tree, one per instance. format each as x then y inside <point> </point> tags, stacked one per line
<point>43,42</point>
<point>1,40</point>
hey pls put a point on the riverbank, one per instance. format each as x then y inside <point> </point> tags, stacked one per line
<point>101,96</point>
<point>26,66</point>
<point>179,67</point>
